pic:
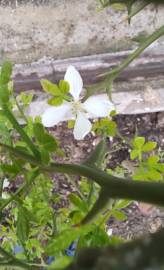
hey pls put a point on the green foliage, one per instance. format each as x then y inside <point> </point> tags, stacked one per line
<point>6,72</point>
<point>65,238</point>
<point>22,225</point>
<point>80,204</point>
<point>150,168</point>
<point>140,147</point>
<point>97,156</point>
<point>33,221</point>
<point>105,127</point>
<point>5,75</point>
<point>59,92</point>
<point>71,123</point>
<point>60,263</point>
<point>25,99</point>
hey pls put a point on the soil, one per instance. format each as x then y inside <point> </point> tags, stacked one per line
<point>142,218</point>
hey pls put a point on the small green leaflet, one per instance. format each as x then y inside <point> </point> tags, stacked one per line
<point>97,208</point>
<point>22,224</point>
<point>59,92</point>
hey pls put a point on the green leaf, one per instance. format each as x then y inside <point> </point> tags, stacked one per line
<point>97,156</point>
<point>138,142</point>
<point>119,215</point>
<point>4,93</point>
<point>113,113</point>
<point>65,238</point>
<point>64,86</point>
<point>50,88</point>
<point>118,6</point>
<point>26,98</point>
<point>152,160</point>
<point>39,132</point>
<point>111,128</point>
<point>76,216</point>
<point>22,224</point>
<point>160,167</point>
<point>141,37</point>
<point>5,134</point>
<point>122,204</point>
<point>71,123</point>
<point>100,204</point>
<point>10,169</point>
<point>46,140</point>
<point>56,101</point>
<point>80,204</point>
<point>115,240</point>
<point>6,72</point>
<point>133,154</point>
<point>45,156</point>
<point>154,175</point>
<point>105,126</point>
<point>149,146</point>
<point>49,142</point>
<point>140,176</point>
<point>97,238</point>
<point>60,263</point>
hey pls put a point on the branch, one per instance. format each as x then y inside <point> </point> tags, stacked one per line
<point>20,130</point>
<point>142,254</point>
<point>153,37</point>
<point>110,76</point>
<point>150,192</point>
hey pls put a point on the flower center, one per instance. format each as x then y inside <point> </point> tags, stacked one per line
<point>77,107</point>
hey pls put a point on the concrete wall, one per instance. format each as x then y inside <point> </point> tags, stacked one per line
<point>30,30</point>
<point>37,34</point>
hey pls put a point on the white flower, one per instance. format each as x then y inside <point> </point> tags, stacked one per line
<point>93,107</point>
<point>6,183</point>
<point>109,232</point>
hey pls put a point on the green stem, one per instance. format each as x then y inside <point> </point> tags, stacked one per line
<point>123,138</point>
<point>20,130</point>
<point>116,187</point>
<point>20,110</point>
<point>137,9</point>
<point>73,182</point>
<point>111,75</point>
<point>1,185</point>
<point>150,192</point>
<point>12,261</point>
<point>91,191</point>
<point>54,224</point>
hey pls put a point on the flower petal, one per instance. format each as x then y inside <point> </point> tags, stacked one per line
<point>98,106</point>
<point>82,127</point>
<point>37,108</point>
<point>6,183</point>
<point>75,81</point>
<point>53,115</point>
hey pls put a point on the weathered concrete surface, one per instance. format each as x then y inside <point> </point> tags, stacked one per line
<point>141,101</point>
<point>138,89</point>
<point>148,68</point>
<point>31,30</point>
<point>34,34</point>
